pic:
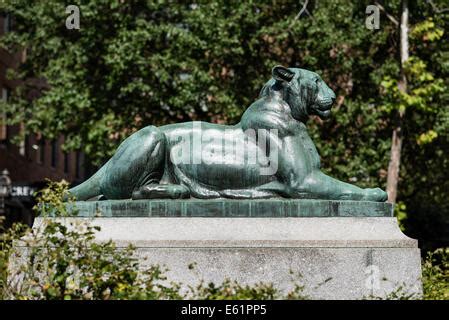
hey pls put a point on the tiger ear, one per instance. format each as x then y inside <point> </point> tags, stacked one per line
<point>281,73</point>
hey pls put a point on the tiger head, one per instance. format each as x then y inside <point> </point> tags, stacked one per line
<point>304,91</point>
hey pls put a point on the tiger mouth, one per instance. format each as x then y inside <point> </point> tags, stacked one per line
<point>324,114</point>
<point>323,110</point>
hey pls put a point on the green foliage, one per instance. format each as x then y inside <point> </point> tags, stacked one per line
<point>399,293</point>
<point>67,264</point>
<point>50,200</point>
<point>232,290</point>
<point>400,212</point>
<point>59,261</point>
<point>136,63</point>
<point>427,30</point>
<point>435,270</point>
<point>423,88</point>
<point>142,62</point>
<point>62,261</point>
<point>229,290</point>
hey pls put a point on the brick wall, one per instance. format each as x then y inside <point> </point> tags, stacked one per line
<point>35,159</point>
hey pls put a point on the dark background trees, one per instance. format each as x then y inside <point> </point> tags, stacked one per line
<point>135,63</point>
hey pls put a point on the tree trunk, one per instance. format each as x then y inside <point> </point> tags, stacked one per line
<point>397,137</point>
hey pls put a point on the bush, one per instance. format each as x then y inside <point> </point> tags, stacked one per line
<point>57,260</point>
<point>435,269</point>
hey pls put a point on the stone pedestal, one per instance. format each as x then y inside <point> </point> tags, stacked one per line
<point>341,249</point>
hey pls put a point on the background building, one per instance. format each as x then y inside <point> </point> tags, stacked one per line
<point>35,159</point>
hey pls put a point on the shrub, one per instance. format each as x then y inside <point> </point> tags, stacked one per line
<point>435,271</point>
<point>61,260</point>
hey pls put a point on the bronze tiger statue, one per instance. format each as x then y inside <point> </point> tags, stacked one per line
<point>201,160</point>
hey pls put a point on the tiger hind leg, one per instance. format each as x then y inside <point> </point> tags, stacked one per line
<point>161,191</point>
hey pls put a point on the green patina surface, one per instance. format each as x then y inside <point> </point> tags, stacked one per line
<point>214,161</point>
<point>233,208</point>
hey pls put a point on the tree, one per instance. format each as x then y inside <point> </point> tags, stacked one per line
<point>136,63</point>
<point>396,140</point>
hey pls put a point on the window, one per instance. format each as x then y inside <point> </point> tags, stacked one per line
<point>54,153</point>
<point>3,126</point>
<point>22,145</point>
<point>26,147</point>
<point>78,165</point>
<point>3,130</point>
<point>66,162</point>
<point>41,151</point>
<point>7,23</point>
